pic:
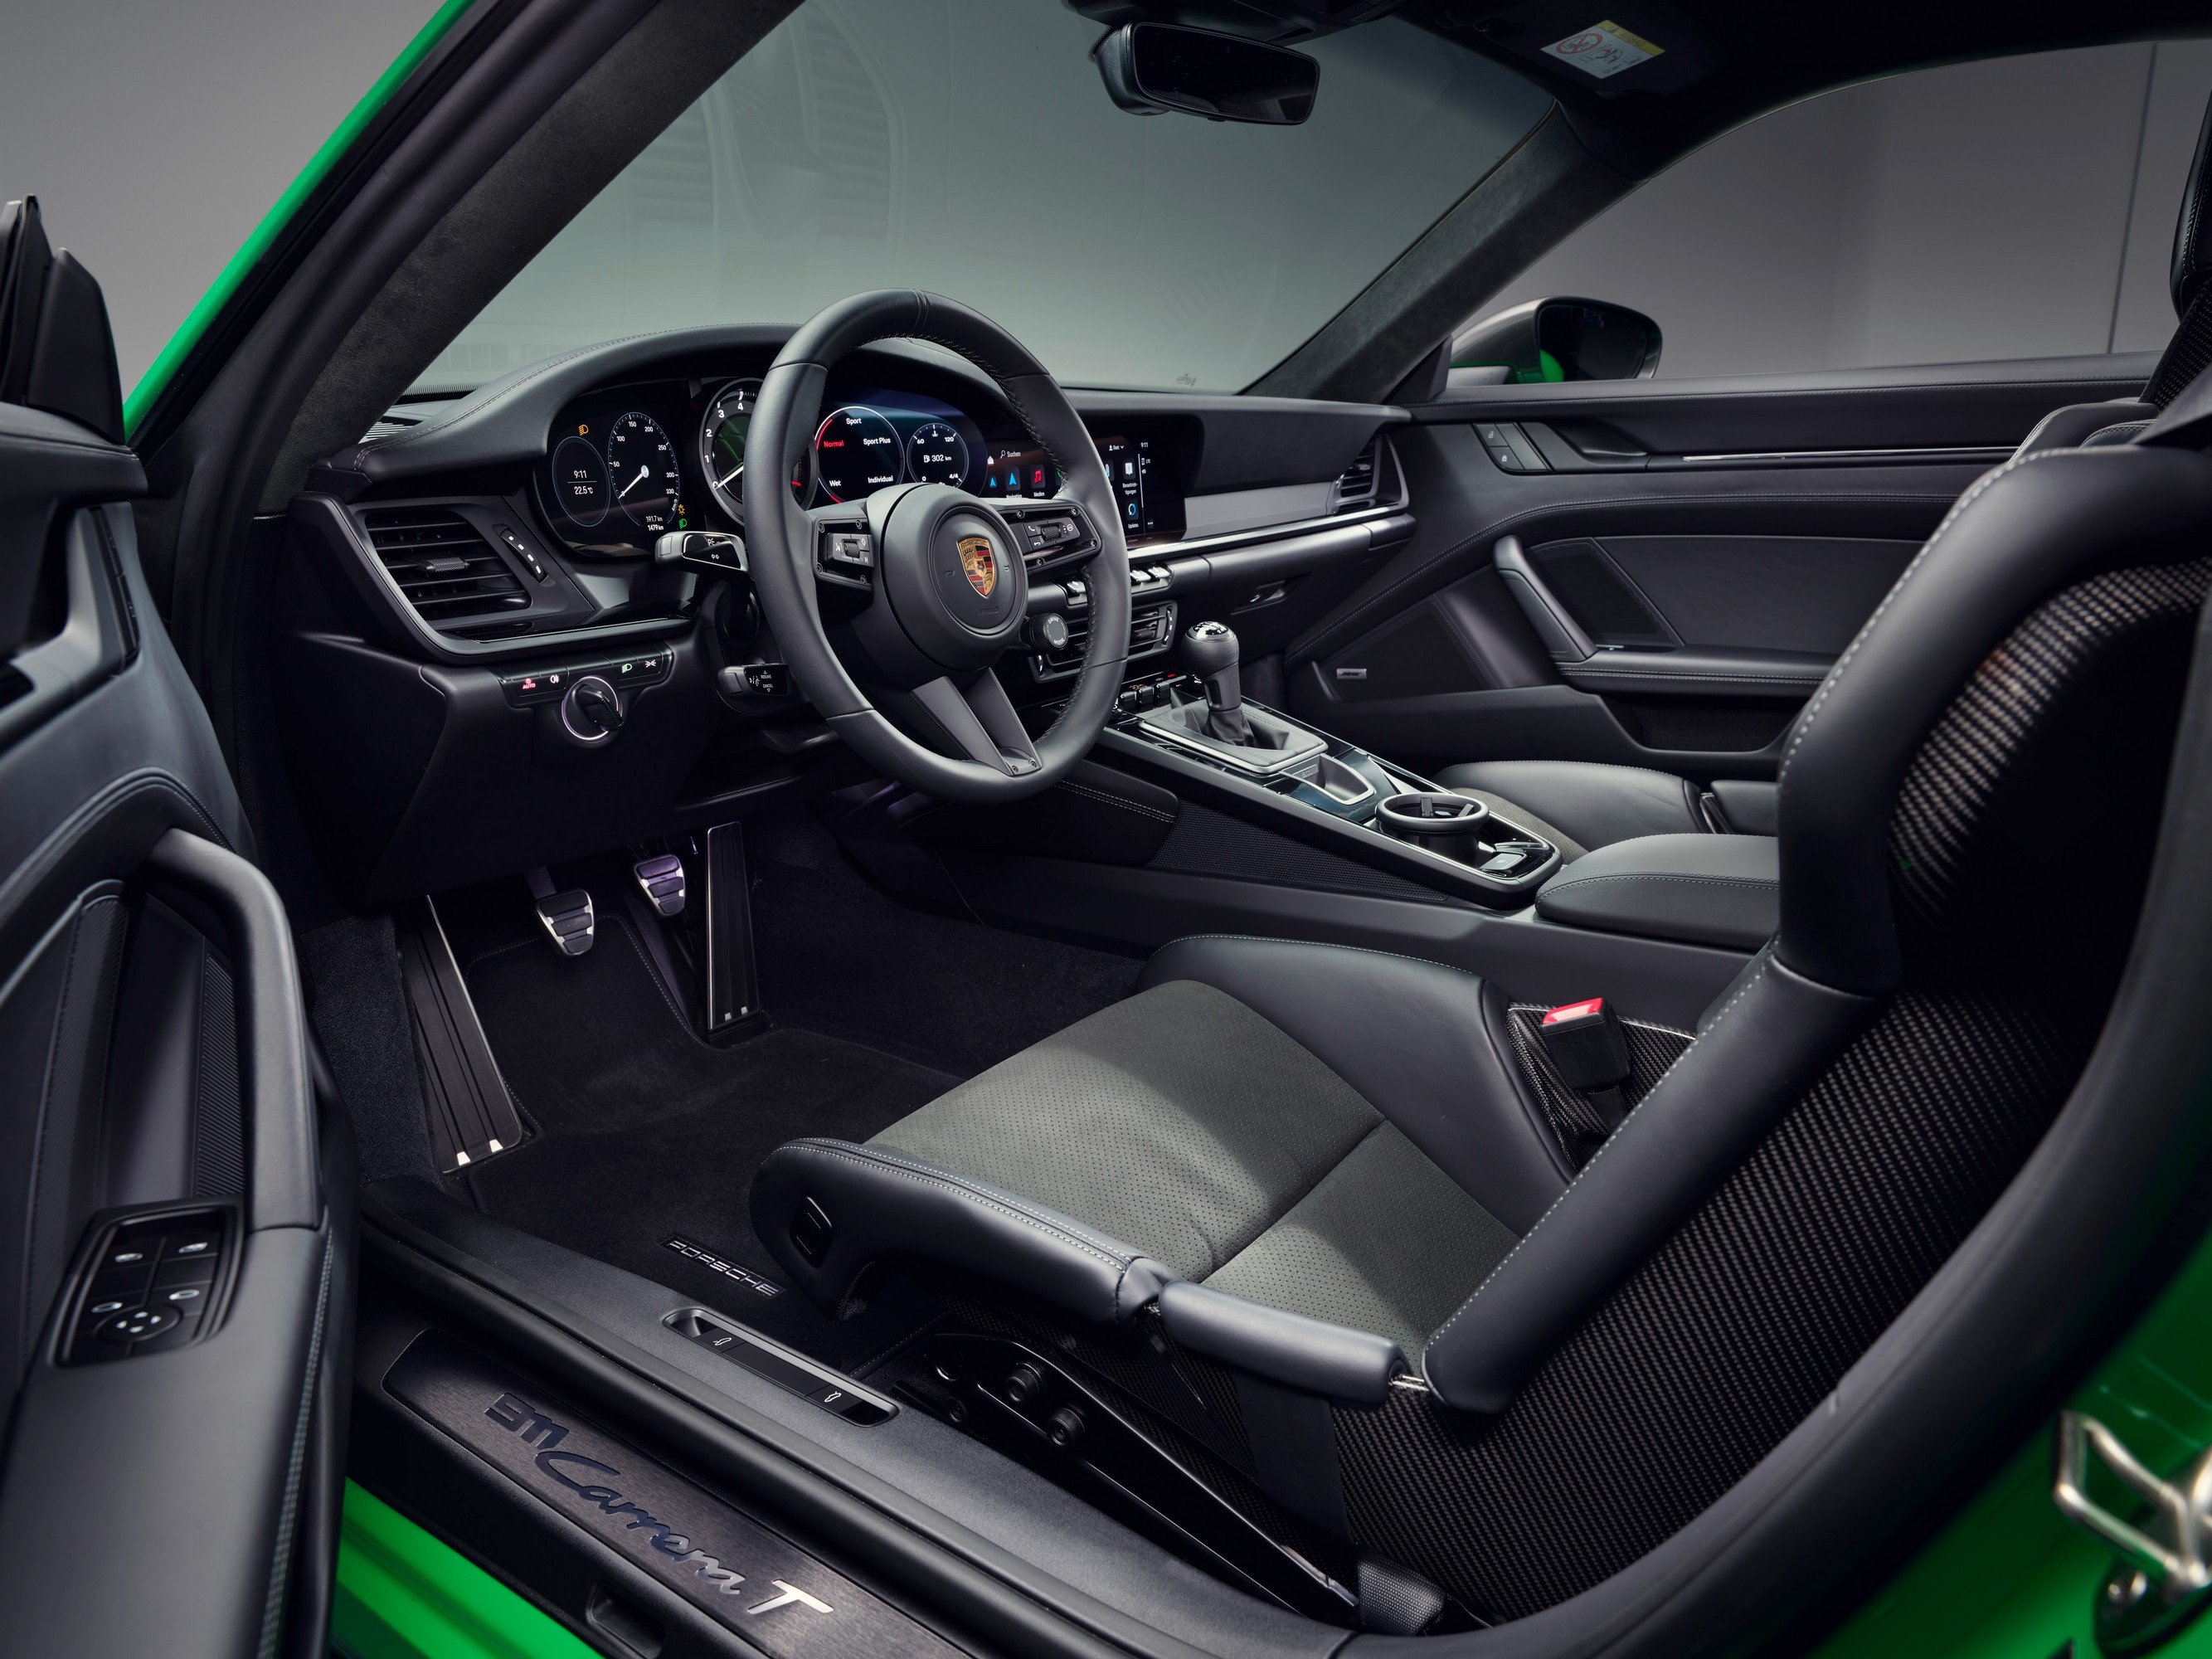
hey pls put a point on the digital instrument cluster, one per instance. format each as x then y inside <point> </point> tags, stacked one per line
<point>627,465</point>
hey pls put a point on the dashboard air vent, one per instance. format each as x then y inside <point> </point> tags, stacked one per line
<point>444,566</point>
<point>1357,488</point>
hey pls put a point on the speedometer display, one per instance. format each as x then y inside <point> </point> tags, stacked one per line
<point>646,483</point>
<point>856,453</point>
<point>937,454</point>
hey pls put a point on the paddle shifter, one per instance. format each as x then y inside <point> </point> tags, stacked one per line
<point>1209,651</point>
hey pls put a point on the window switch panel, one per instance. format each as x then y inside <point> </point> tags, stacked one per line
<point>148,1281</point>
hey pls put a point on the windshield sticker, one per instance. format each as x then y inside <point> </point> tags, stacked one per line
<point>1604,49</point>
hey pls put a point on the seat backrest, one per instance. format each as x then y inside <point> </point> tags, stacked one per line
<point>1968,808</point>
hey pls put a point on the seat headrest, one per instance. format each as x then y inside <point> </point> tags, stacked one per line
<point>2192,232</point>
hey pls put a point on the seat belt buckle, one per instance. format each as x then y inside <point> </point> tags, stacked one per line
<point>1589,1049</point>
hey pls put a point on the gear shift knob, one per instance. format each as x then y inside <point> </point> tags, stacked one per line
<point>1208,648</point>
<point>1210,651</point>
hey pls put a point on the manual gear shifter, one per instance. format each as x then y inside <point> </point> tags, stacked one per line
<point>1209,651</point>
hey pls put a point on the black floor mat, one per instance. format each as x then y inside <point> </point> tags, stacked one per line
<point>646,1134</point>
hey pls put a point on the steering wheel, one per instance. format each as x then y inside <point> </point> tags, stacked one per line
<point>948,588</point>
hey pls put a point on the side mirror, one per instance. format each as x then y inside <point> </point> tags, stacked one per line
<point>1149,68</point>
<point>1560,339</point>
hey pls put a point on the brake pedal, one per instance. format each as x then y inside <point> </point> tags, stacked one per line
<point>662,880</point>
<point>568,920</point>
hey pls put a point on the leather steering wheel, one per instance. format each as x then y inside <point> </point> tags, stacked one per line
<point>941,611</point>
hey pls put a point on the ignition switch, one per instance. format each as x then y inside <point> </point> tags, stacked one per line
<point>591,712</point>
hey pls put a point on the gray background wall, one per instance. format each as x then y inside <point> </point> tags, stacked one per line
<point>2014,209</point>
<point>2019,208</point>
<point>156,133</point>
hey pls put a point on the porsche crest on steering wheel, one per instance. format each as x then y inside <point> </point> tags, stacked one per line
<point>981,561</point>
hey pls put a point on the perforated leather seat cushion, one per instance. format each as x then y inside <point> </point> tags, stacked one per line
<point>1184,1123</point>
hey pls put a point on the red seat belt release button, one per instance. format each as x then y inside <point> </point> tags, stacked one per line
<point>1585,1042</point>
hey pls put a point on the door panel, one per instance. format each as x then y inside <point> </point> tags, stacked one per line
<point>169,1272</point>
<point>1656,573</point>
<point>1805,594</point>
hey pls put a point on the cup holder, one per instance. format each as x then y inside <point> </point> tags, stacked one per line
<point>1429,816</point>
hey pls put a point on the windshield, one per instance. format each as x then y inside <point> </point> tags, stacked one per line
<point>967,147</point>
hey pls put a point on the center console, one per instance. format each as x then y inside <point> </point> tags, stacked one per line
<point>1197,713</point>
<point>1199,812</point>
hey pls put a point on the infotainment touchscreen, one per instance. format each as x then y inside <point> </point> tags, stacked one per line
<point>1144,481</point>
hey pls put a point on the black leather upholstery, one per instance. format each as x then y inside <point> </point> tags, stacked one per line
<point>1751,805</point>
<point>1307,1354</point>
<point>1594,804</point>
<point>1707,889</point>
<point>2078,424</point>
<point>880,1204</point>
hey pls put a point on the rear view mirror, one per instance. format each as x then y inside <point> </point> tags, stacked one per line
<point>1560,339</point>
<point>1152,67</point>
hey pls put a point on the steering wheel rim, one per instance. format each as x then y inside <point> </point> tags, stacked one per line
<point>965,701</point>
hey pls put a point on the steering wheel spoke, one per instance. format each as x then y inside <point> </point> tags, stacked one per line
<point>976,723</point>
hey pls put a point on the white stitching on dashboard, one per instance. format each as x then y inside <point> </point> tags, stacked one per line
<point>1114,800</point>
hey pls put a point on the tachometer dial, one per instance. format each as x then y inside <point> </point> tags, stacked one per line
<point>856,454</point>
<point>722,444</point>
<point>937,454</point>
<point>580,482</point>
<point>646,483</point>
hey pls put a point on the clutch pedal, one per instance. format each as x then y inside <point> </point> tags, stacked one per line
<point>662,880</point>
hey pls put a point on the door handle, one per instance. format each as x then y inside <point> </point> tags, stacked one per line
<point>1554,624</point>
<point>283,1184</point>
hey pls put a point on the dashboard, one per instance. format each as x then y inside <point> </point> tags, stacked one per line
<point>472,556</point>
<point>626,465</point>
